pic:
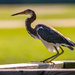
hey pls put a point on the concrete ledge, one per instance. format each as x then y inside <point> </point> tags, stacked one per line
<point>34,65</point>
<point>59,68</point>
<point>39,65</point>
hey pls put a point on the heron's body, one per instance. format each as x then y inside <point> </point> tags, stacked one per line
<point>51,38</point>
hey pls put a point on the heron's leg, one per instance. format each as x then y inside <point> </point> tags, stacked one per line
<point>62,50</point>
<point>52,56</point>
<point>49,58</point>
<point>57,54</point>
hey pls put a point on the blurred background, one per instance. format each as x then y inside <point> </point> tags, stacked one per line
<point>17,46</point>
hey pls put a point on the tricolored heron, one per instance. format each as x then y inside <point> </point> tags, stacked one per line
<point>52,39</point>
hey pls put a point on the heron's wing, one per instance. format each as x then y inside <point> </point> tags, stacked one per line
<point>52,36</point>
<point>49,35</point>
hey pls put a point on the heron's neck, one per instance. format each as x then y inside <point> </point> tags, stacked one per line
<point>28,23</point>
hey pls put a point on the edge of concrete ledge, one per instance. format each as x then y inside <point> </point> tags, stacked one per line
<point>40,65</point>
<point>34,65</point>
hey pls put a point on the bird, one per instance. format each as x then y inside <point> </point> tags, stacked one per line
<point>50,37</point>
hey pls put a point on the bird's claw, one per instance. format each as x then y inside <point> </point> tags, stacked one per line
<point>48,62</point>
<point>43,62</point>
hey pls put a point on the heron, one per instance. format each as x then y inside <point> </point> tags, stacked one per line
<point>50,37</point>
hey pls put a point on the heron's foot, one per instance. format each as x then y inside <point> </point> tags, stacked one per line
<point>36,62</point>
<point>48,62</point>
<point>43,62</point>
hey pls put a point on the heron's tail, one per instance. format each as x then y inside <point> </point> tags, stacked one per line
<point>69,44</point>
<point>72,43</point>
<point>70,47</point>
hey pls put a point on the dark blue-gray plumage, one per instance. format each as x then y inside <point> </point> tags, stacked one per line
<point>51,35</point>
<point>51,38</point>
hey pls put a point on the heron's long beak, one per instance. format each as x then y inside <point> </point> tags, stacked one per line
<point>23,12</point>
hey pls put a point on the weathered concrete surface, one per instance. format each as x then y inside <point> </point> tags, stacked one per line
<point>34,65</point>
<point>38,68</point>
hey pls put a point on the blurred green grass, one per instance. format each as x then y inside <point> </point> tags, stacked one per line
<point>17,46</point>
<point>56,11</point>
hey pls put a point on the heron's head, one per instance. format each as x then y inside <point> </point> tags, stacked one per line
<point>28,11</point>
